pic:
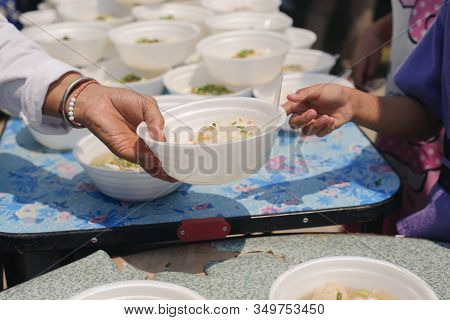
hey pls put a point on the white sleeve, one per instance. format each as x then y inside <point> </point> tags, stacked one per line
<point>26,72</point>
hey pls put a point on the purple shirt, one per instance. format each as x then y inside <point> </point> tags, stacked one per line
<point>425,75</point>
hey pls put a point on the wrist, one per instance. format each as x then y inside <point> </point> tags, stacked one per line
<point>90,96</point>
<point>363,106</point>
<point>55,93</point>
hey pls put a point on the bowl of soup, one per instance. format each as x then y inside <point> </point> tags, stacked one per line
<point>216,141</point>
<point>117,177</point>
<point>244,58</point>
<point>197,80</point>
<point>114,73</point>
<point>173,12</point>
<point>350,278</point>
<point>275,21</point>
<point>223,6</point>
<point>155,45</point>
<point>76,43</point>
<point>308,60</point>
<point>138,290</point>
<point>106,11</point>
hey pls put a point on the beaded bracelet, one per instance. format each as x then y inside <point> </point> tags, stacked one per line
<point>69,118</point>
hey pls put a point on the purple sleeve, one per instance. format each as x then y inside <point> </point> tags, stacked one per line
<point>421,75</point>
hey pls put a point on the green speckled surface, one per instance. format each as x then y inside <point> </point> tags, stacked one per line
<point>260,262</point>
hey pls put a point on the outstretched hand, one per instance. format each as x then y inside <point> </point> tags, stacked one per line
<point>320,109</point>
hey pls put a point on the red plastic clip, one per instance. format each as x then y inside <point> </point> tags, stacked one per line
<point>203,229</point>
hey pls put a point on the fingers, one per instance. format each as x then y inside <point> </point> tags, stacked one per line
<point>321,126</point>
<point>149,162</point>
<point>154,119</point>
<point>301,120</point>
<point>359,74</point>
<point>306,95</point>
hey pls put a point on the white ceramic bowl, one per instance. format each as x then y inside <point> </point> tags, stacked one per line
<point>301,38</point>
<point>90,10</point>
<point>310,60</point>
<point>274,21</point>
<point>178,42</point>
<point>169,101</point>
<point>222,6</point>
<point>60,142</point>
<point>351,272</point>
<point>109,73</point>
<point>87,42</point>
<point>138,290</point>
<point>123,185</point>
<point>218,50</point>
<point>173,11</point>
<point>215,163</point>
<point>183,79</point>
<point>294,82</point>
<point>139,2</point>
<point>38,17</point>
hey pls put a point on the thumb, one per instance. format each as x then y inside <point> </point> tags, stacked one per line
<point>154,119</point>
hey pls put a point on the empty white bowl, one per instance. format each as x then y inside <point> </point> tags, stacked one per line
<point>309,60</point>
<point>294,82</point>
<point>173,12</point>
<point>301,38</point>
<point>107,11</point>
<point>138,290</point>
<point>178,39</point>
<point>138,2</point>
<point>222,6</point>
<point>215,163</point>
<point>110,73</point>
<point>60,142</point>
<point>274,21</point>
<point>169,101</point>
<point>123,185</point>
<point>218,50</point>
<point>351,272</point>
<point>38,17</point>
<point>183,79</point>
<point>85,45</point>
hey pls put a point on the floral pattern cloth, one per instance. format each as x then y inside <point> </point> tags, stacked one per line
<point>46,191</point>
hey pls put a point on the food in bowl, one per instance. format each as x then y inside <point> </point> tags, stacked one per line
<point>112,162</point>
<point>105,17</point>
<point>130,77</point>
<point>247,53</point>
<point>146,40</point>
<point>337,291</point>
<point>224,131</point>
<point>292,68</point>
<point>211,90</point>
<point>167,17</point>
<point>66,38</point>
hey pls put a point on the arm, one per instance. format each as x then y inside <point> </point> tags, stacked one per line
<point>324,108</point>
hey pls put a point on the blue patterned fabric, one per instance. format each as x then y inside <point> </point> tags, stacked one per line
<point>46,191</point>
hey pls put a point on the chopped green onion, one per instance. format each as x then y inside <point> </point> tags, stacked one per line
<point>339,296</point>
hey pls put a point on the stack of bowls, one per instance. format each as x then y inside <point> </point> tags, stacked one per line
<point>225,6</point>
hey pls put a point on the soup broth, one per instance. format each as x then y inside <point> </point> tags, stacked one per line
<point>112,162</point>
<point>336,291</point>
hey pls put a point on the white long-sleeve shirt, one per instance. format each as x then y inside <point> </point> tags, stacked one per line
<point>26,72</point>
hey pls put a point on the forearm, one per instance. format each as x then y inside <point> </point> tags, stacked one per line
<point>383,28</point>
<point>401,116</point>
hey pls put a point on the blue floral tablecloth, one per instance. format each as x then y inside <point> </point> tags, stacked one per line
<point>45,191</point>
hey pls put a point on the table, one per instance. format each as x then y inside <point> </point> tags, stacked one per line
<point>48,204</point>
<point>239,268</point>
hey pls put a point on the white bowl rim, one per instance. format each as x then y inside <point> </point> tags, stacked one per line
<point>295,268</point>
<point>105,28</point>
<point>129,26</point>
<point>162,6</point>
<point>213,21</point>
<point>188,69</point>
<point>144,283</point>
<point>207,3</point>
<point>315,52</point>
<point>206,41</point>
<point>77,148</point>
<point>282,114</point>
